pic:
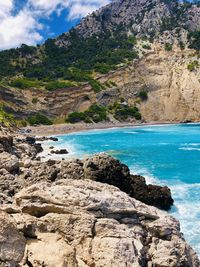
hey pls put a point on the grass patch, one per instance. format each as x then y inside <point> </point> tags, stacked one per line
<point>24,83</point>
<point>193,65</point>
<point>54,85</point>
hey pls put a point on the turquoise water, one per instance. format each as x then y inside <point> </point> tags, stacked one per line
<point>166,155</point>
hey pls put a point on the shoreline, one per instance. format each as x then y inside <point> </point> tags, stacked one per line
<point>62,129</point>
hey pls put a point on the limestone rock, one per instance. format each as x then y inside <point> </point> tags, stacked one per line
<point>12,242</point>
<point>102,224</point>
<point>49,249</point>
<point>9,162</point>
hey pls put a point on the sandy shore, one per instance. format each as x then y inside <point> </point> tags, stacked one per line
<point>70,128</point>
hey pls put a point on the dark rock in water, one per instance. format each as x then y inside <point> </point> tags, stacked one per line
<point>45,138</point>
<point>153,195</point>
<point>105,169</point>
<point>55,139</point>
<point>60,152</point>
<point>31,140</point>
<point>186,121</point>
<point>38,148</point>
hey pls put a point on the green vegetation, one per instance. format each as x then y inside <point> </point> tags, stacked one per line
<point>38,119</point>
<point>168,47</point>
<point>24,83</point>
<point>193,65</point>
<point>96,86</point>
<point>95,114</point>
<point>146,46</point>
<point>194,40</point>
<point>34,100</point>
<point>74,63</point>
<point>54,85</point>
<point>122,112</point>
<point>6,118</point>
<point>143,95</point>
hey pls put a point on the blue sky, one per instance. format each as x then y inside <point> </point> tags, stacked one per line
<point>33,21</point>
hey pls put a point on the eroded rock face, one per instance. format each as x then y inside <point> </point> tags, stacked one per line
<point>12,242</point>
<point>86,223</point>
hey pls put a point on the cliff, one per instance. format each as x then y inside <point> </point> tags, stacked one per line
<point>118,53</point>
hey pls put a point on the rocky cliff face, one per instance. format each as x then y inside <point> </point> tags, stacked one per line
<point>170,78</point>
<point>142,17</point>
<point>173,89</point>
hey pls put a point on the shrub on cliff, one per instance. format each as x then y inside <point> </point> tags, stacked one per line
<point>38,119</point>
<point>143,95</point>
<point>24,83</point>
<point>168,47</point>
<point>193,65</point>
<point>121,111</point>
<point>54,85</point>
<point>95,114</point>
<point>75,117</point>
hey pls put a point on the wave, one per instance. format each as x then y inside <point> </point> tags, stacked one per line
<point>189,148</point>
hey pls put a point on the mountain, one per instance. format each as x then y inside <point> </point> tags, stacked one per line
<point>131,58</point>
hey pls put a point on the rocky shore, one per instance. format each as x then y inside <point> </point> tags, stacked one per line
<point>81,213</point>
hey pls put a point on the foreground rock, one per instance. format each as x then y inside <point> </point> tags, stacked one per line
<point>85,223</point>
<point>101,168</point>
<point>20,167</point>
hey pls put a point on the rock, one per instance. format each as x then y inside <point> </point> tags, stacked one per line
<point>105,169</point>
<point>9,162</point>
<point>102,224</point>
<point>27,163</point>
<point>60,152</point>
<point>55,139</point>
<point>12,242</point>
<point>31,140</point>
<point>154,195</point>
<point>38,148</point>
<point>49,249</point>
<point>45,138</point>
<point>6,142</point>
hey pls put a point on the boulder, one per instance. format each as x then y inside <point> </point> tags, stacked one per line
<point>60,152</point>
<point>103,225</point>
<point>106,169</point>
<point>12,242</point>
<point>9,162</point>
<point>6,143</point>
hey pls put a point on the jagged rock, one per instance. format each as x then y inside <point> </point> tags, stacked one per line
<point>12,242</point>
<point>31,140</point>
<point>6,143</point>
<point>104,225</point>
<point>105,169</point>
<point>9,162</point>
<point>60,152</point>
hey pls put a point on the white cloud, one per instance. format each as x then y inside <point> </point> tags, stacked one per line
<point>5,7</point>
<point>24,27</point>
<point>77,8</point>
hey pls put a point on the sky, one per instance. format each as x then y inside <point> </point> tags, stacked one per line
<point>31,22</point>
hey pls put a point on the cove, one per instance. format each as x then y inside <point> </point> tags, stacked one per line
<point>166,155</point>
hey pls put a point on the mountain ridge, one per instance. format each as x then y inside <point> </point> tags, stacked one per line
<point>119,35</point>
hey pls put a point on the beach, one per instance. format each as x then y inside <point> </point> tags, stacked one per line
<point>59,129</point>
